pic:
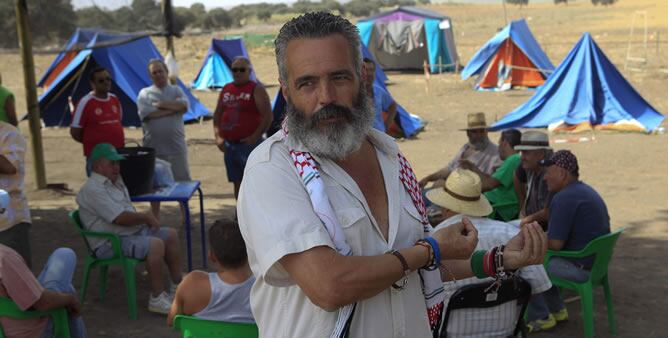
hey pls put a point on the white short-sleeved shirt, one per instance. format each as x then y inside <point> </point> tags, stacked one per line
<point>277,219</point>
<point>498,321</point>
<point>13,148</point>
<point>100,202</point>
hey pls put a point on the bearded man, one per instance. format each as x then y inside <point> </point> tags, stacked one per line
<point>480,151</point>
<point>331,213</point>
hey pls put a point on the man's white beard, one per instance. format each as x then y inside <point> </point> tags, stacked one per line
<point>332,140</point>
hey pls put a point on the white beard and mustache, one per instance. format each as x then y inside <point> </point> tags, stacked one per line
<point>335,140</point>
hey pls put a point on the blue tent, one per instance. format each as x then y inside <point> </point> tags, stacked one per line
<point>409,124</point>
<point>502,48</point>
<point>403,38</point>
<point>125,56</point>
<point>215,71</point>
<point>585,88</point>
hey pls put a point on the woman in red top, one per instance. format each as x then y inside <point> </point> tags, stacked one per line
<point>242,115</point>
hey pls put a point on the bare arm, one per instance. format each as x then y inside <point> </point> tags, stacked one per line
<point>128,218</point>
<point>158,113</point>
<point>391,114</point>
<point>77,134</point>
<point>487,181</point>
<point>331,280</point>
<point>6,167</point>
<point>521,191</point>
<point>10,109</point>
<point>264,107</point>
<point>555,244</point>
<point>217,115</point>
<point>55,300</point>
<point>439,175</point>
<point>178,107</point>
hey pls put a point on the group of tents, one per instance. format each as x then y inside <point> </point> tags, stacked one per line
<point>585,89</point>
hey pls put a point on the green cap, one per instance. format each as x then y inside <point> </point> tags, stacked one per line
<point>107,151</point>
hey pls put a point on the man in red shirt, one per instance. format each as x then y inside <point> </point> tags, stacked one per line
<point>97,117</point>
<point>242,115</point>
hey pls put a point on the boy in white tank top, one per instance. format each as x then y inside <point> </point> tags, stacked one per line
<point>223,295</point>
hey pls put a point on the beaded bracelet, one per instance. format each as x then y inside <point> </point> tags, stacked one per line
<point>477,264</point>
<point>437,250</point>
<point>430,262</point>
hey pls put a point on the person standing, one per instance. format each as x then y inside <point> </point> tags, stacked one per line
<point>97,117</point>
<point>242,115</point>
<point>161,107</point>
<point>382,100</point>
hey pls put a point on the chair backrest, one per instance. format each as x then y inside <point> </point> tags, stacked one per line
<point>193,327</point>
<point>602,247</point>
<point>74,217</point>
<point>474,296</point>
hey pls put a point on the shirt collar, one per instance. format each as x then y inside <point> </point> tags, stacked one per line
<point>105,180</point>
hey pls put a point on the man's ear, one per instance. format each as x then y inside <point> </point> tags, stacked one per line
<point>284,88</point>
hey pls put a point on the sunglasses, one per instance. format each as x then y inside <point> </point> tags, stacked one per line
<point>105,79</point>
<point>239,70</point>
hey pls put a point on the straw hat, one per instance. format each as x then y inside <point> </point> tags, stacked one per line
<point>462,194</point>
<point>476,121</point>
<point>532,140</point>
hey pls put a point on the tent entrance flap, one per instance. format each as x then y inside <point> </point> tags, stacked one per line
<point>412,59</point>
<point>523,73</point>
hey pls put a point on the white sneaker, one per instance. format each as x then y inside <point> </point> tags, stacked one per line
<point>160,304</point>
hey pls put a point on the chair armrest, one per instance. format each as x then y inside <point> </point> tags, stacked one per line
<point>113,238</point>
<point>570,254</point>
<point>8,308</point>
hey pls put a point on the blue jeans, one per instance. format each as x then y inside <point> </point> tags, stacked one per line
<point>57,276</point>
<point>550,301</point>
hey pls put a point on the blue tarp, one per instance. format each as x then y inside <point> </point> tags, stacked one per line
<point>410,124</point>
<point>128,65</point>
<point>519,33</point>
<point>586,87</point>
<point>215,71</point>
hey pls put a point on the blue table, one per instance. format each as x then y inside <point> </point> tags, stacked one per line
<point>181,192</point>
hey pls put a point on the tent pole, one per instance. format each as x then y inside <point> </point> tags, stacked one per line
<point>168,24</point>
<point>505,14</point>
<point>23,30</point>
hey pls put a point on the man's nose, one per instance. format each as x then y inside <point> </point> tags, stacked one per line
<point>326,93</point>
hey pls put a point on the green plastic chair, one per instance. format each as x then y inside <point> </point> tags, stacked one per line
<point>127,264</point>
<point>61,326</point>
<point>192,327</point>
<point>602,247</point>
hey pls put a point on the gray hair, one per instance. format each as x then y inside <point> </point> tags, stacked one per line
<point>312,26</point>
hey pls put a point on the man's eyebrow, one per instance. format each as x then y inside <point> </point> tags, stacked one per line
<point>305,78</point>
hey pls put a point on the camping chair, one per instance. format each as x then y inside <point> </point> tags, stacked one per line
<point>474,296</point>
<point>602,247</point>
<point>193,327</point>
<point>61,327</point>
<point>128,264</point>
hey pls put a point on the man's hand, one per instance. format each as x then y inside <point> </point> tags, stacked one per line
<point>250,140</point>
<point>74,307</point>
<point>526,248</point>
<point>220,143</point>
<point>160,105</point>
<point>468,165</point>
<point>457,241</point>
<point>151,221</point>
<point>423,182</point>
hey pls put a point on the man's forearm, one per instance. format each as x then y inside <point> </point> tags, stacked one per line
<point>158,113</point>
<point>177,106</point>
<point>391,114</point>
<point>332,280</point>
<point>6,167</point>
<point>128,218</point>
<point>53,300</point>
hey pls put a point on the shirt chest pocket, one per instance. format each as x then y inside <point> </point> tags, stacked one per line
<point>356,227</point>
<point>410,216</point>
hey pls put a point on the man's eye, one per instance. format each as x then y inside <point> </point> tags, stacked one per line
<point>305,84</point>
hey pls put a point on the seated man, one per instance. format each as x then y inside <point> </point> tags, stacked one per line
<point>480,151</point>
<point>498,187</point>
<point>529,183</point>
<point>51,290</point>
<point>577,216</point>
<point>104,205</point>
<point>223,295</point>
<point>463,199</point>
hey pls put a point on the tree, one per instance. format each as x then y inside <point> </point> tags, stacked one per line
<point>361,7</point>
<point>50,20</point>
<point>424,2</point>
<point>95,17</point>
<point>218,18</point>
<point>518,2</point>
<point>556,2</point>
<point>603,2</point>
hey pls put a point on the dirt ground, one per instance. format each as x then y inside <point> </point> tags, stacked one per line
<point>628,170</point>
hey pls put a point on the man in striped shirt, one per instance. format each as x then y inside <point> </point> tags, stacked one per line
<point>97,117</point>
<point>463,199</point>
